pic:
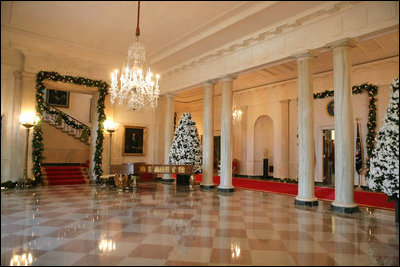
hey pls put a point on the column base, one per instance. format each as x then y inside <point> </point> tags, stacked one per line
<point>167,181</point>
<point>305,203</point>
<point>344,209</point>
<point>207,187</point>
<point>226,190</point>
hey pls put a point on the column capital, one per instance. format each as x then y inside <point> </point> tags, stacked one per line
<point>18,75</point>
<point>228,77</point>
<point>349,42</point>
<point>284,101</point>
<point>308,54</point>
<point>169,95</point>
<point>28,75</point>
<point>209,83</point>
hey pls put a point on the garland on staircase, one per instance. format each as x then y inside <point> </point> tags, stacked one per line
<point>371,125</point>
<point>37,142</point>
<point>61,116</point>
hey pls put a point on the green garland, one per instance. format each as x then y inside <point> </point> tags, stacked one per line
<point>371,125</point>
<point>37,142</point>
<point>61,116</point>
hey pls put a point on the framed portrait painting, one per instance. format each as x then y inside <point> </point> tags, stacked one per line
<point>134,141</point>
<point>57,98</point>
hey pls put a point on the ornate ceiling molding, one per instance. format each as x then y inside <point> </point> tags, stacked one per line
<point>290,24</point>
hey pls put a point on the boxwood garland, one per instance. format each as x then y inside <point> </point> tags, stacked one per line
<point>37,142</point>
<point>62,116</point>
<point>371,125</point>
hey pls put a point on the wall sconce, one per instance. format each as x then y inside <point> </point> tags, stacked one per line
<point>110,127</point>
<point>28,120</point>
<point>237,114</point>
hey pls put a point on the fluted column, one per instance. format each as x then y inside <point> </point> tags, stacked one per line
<point>168,132</point>
<point>306,195</point>
<point>208,136</point>
<point>226,135</point>
<point>344,131</point>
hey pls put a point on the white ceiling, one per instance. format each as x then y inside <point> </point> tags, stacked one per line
<point>172,31</point>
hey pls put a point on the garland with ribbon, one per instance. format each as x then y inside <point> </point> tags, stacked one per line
<point>61,116</point>
<point>37,142</point>
<point>371,125</point>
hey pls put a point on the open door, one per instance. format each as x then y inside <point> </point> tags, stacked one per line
<point>329,156</point>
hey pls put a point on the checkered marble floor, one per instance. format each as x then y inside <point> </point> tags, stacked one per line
<point>162,224</point>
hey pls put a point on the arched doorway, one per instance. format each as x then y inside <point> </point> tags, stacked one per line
<point>263,144</point>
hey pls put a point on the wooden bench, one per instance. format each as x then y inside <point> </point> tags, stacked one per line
<point>125,175</point>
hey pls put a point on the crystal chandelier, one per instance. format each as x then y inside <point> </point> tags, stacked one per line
<point>137,90</point>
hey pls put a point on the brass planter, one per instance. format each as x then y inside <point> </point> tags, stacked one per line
<point>121,181</point>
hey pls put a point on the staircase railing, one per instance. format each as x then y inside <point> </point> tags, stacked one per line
<point>66,123</point>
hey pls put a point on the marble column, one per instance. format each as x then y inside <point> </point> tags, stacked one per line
<point>226,135</point>
<point>93,134</point>
<point>208,136</point>
<point>344,128</point>
<point>168,132</point>
<point>306,195</point>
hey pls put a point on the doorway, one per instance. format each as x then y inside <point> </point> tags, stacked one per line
<point>217,153</point>
<point>328,136</point>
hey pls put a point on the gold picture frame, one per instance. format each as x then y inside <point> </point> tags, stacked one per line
<point>57,98</point>
<point>134,141</point>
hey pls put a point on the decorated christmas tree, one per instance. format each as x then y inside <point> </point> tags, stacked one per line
<point>384,166</point>
<point>185,147</point>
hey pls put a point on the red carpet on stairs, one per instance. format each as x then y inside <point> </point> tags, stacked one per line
<point>362,198</point>
<point>65,175</point>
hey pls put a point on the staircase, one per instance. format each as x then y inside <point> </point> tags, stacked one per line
<point>65,173</point>
<point>67,124</point>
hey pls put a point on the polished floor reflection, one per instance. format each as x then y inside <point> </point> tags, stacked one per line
<point>162,224</point>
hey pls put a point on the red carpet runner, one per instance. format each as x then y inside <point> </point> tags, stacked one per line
<point>362,198</point>
<point>65,175</point>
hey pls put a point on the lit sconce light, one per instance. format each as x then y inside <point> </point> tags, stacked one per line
<point>235,249</point>
<point>237,114</point>
<point>28,119</point>
<point>110,126</point>
<point>21,259</point>
<point>333,135</point>
<point>106,245</point>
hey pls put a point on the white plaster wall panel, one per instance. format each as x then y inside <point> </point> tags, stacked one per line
<point>382,11</point>
<point>355,20</point>
<point>275,47</point>
<point>245,57</point>
<point>328,30</point>
<point>59,147</point>
<point>133,118</point>
<point>7,109</point>
<point>293,139</point>
<point>260,51</point>
<point>79,107</point>
<point>296,40</point>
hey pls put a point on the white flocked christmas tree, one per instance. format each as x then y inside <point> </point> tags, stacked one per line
<point>384,166</point>
<point>185,148</point>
